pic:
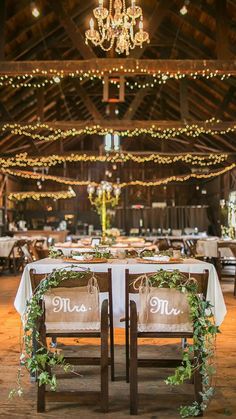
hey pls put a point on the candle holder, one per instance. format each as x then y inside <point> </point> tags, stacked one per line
<point>101,197</point>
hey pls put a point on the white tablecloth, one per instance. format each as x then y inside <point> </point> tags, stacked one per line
<point>6,245</point>
<point>214,292</point>
<point>209,248</point>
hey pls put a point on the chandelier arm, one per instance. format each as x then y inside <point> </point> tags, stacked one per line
<point>108,48</point>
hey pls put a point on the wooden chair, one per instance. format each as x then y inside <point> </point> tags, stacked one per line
<point>162,244</point>
<point>223,261</point>
<point>17,257</point>
<point>132,334</point>
<point>191,249</point>
<point>39,250</point>
<point>105,285</point>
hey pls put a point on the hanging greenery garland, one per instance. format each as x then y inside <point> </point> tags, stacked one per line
<point>204,334</point>
<point>39,361</point>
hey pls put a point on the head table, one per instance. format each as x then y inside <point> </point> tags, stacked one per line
<point>214,292</point>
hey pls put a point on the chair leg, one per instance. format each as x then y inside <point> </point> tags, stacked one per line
<point>41,398</point>
<point>218,268</point>
<point>127,349</point>
<point>112,351</point>
<point>133,360</point>
<point>104,357</point>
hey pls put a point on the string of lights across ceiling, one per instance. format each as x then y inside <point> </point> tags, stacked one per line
<point>54,134</point>
<point>23,160</point>
<point>40,78</point>
<point>36,196</point>
<point>158,182</point>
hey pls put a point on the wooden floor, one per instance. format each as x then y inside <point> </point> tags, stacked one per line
<point>157,401</point>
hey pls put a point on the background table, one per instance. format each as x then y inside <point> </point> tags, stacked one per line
<point>209,248</point>
<point>214,292</point>
<point>6,245</point>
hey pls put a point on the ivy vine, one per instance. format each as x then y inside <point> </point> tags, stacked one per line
<point>203,343</point>
<point>35,357</point>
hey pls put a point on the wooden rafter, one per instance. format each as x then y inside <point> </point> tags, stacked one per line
<point>158,15</point>
<point>126,124</point>
<point>15,68</point>
<point>72,30</point>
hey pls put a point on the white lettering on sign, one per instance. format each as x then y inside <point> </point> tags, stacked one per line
<point>64,304</point>
<point>162,307</point>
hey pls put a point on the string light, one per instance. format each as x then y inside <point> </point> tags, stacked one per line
<point>34,10</point>
<point>39,78</point>
<point>40,176</point>
<point>21,196</point>
<point>23,160</point>
<point>162,181</point>
<point>189,130</point>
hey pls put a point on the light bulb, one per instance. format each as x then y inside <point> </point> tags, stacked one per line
<point>141,25</point>
<point>183,11</point>
<point>34,10</point>
<point>91,23</point>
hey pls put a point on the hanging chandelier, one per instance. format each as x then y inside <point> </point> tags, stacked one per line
<point>119,26</point>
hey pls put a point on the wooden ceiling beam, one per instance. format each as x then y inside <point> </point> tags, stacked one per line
<point>121,66</point>
<point>2,28</point>
<point>72,30</point>
<point>126,124</point>
<point>158,15</point>
<point>222,46</point>
<point>225,102</point>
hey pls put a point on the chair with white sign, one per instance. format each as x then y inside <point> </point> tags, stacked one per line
<point>134,332</point>
<point>60,319</point>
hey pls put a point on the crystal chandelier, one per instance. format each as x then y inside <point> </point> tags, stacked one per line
<point>117,27</point>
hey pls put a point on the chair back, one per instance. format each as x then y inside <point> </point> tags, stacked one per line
<point>104,284</point>
<point>228,248</point>
<point>133,282</point>
<point>103,279</point>
<point>162,244</point>
<point>190,247</point>
<point>26,253</point>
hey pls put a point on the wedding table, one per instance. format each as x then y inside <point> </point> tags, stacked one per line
<point>214,292</point>
<point>6,245</point>
<point>209,248</point>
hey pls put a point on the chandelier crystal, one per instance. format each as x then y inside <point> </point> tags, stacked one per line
<point>118,26</point>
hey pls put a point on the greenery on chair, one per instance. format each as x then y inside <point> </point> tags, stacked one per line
<point>35,357</point>
<point>203,343</point>
<point>55,253</point>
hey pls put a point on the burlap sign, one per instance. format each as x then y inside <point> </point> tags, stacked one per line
<point>72,309</point>
<point>163,310</point>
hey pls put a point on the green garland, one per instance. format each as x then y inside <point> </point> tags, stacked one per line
<point>55,253</point>
<point>40,361</point>
<point>204,334</point>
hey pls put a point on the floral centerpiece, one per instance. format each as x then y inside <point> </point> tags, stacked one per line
<point>112,234</point>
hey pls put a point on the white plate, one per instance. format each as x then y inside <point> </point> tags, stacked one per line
<point>157,258</point>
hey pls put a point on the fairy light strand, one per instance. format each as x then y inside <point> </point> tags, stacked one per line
<point>36,196</point>
<point>40,78</point>
<point>192,130</point>
<point>23,160</point>
<point>158,182</point>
